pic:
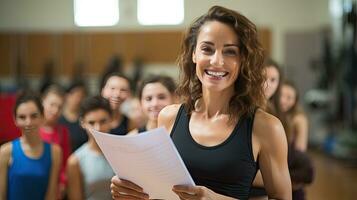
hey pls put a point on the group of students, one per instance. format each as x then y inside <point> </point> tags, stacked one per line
<point>222,129</point>
<point>43,152</point>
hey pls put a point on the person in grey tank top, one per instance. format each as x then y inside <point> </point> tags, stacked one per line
<point>88,171</point>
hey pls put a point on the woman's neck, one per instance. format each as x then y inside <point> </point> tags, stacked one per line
<point>151,124</point>
<point>31,139</point>
<point>214,103</point>
<point>71,114</point>
<point>94,146</point>
<point>117,115</point>
<point>48,125</point>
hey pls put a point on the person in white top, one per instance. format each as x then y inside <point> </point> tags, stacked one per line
<point>88,171</point>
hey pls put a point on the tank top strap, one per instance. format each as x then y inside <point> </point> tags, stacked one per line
<point>16,149</point>
<point>142,129</point>
<point>181,117</point>
<point>47,154</point>
<point>250,121</point>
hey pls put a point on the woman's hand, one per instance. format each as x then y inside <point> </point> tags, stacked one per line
<point>123,189</point>
<point>197,192</point>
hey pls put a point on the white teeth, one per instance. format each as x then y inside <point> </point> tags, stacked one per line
<point>212,73</point>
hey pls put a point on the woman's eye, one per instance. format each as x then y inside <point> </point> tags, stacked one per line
<point>207,50</point>
<point>231,52</point>
<point>162,97</point>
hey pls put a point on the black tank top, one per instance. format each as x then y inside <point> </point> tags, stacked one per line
<point>142,129</point>
<point>228,168</point>
<point>122,128</point>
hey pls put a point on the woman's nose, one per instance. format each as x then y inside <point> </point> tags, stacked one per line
<point>217,59</point>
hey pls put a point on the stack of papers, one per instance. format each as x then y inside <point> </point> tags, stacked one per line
<point>149,159</point>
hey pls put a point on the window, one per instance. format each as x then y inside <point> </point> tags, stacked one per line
<point>160,12</point>
<point>96,12</point>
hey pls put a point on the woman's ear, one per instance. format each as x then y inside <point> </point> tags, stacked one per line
<point>193,57</point>
<point>81,122</point>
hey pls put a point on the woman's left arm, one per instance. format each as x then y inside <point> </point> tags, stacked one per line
<point>301,132</point>
<point>273,154</point>
<point>54,172</point>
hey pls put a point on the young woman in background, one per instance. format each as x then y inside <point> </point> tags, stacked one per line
<point>154,92</point>
<point>53,132</point>
<point>116,88</point>
<point>88,171</point>
<point>75,94</point>
<point>29,167</point>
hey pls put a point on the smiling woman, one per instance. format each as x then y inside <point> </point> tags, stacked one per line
<point>29,167</point>
<point>219,130</point>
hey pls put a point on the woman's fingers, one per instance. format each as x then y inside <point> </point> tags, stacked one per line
<point>124,189</point>
<point>188,192</point>
<point>122,182</point>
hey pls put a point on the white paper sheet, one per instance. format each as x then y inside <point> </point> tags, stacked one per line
<point>149,159</point>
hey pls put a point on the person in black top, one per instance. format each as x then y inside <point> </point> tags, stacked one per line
<point>116,88</point>
<point>220,132</point>
<point>272,90</point>
<point>155,92</point>
<point>75,93</point>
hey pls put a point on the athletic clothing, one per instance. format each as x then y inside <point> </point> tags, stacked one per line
<point>96,173</point>
<point>122,128</point>
<point>59,135</point>
<point>142,129</point>
<point>228,168</point>
<point>77,134</point>
<point>28,177</point>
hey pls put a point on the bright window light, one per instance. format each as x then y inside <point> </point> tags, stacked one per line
<point>96,12</point>
<point>160,12</point>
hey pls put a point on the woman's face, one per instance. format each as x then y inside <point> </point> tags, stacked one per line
<point>287,98</point>
<point>116,90</point>
<point>154,98</point>
<point>99,120</point>
<point>272,81</point>
<point>216,56</point>
<point>28,117</point>
<point>52,105</point>
<point>75,97</point>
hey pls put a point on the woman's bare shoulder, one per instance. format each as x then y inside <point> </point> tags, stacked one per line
<point>5,150</point>
<point>170,111</point>
<point>300,118</point>
<point>267,127</point>
<point>168,115</point>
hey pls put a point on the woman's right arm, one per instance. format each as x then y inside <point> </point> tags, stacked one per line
<point>5,154</point>
<point>54,173</point>
<point>124,189</point>
<point>302,132</point>
<point>74,179</point>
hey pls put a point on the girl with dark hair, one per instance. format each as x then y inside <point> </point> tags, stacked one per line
<point>154,92</point>
<point>29,167</point>
<point>220,130</point>
<point>116,88</point>
<point>300,165</point>
<point>53,132</point>
<point>86,181</point>
<point>75,94</point>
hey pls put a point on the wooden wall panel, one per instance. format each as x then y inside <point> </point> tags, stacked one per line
<point>92,49</point>
<point>101,48</point>
<point>264,35</point>
<point>5,53</point>
<point>40,50</point>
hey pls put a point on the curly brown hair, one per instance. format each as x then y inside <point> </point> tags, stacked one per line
<point>249,84</point>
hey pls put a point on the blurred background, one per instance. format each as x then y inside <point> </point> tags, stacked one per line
<point>45,41</point>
